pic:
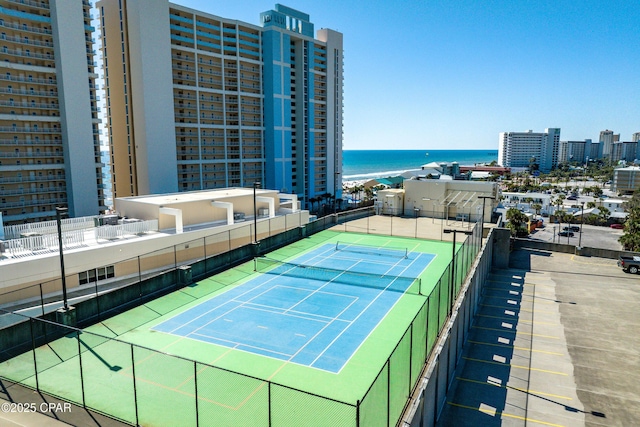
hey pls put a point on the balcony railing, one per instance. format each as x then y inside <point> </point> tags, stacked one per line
<point>16,129</point>
<point>32,3</point>
<point>28,92</point>
<point>29,105</point>
<point>30,155</point>
<point>27,54</point>
<point>30,142</point>
<point>19,179</point>
<point>24,27</point>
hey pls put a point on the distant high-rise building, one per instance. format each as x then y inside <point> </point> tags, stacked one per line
<point>49,125</point>
<point>635,137</point>
<point>574,151</point>
<point>197,101</point>
<point>606,139</point>
<point>522,149</point>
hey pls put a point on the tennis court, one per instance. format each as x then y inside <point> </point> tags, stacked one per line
<point>314,310</point>
<point>330,330</point>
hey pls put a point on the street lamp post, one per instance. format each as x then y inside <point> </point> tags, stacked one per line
<point>453,263</point>
<point>335,193</point>
<point>256,185</point>
<point>59,213</point>
<point>484,198</point>
<point>581,224</point>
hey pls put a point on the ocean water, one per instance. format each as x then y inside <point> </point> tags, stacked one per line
<point>368,164</point>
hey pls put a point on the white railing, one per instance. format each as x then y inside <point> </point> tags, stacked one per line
<point>112,232</point>
<point>49,227</point>
<point>26,246</point>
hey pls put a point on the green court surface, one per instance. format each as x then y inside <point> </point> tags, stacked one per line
<point>122,368</point>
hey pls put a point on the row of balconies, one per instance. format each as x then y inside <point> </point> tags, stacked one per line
<point>21,154</point>
<point>27,191</point>
<point>42,142</point>
<point>28,203</point>
<point>25,27</point>
<point>21,129</point>
<point>27,54</point>
<point>30,92</point>
<point>32,104</point>
<point>26,41</point>
<point>31,178</point>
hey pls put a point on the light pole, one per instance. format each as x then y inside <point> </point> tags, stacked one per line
<point>581,225</point>
<point>256,185</point>
<point>453,263</point>
<point>416,212</point>
<point>59,213</point>
<point>335,193</point>
<point>484,198</point>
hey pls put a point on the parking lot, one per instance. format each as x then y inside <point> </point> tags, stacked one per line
<point>592,236</point>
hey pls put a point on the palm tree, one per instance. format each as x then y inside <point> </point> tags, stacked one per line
<point>516,221</point>
<point>536,207</point>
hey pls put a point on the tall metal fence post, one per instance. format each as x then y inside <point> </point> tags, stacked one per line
<point>175,256</point>
<point>269,400</point>
<point>195,384</point>
<point>135,391</point>
<point>358,413</point>
<point>84,403</point>
<point>41,298</point>
<point>33,348</point>
<point>410,356</point>
<point>389,392</point>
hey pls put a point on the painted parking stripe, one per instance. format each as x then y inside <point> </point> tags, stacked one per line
<point>504,414</point>
<point>525,390</point>
<point>516,348</point>
<point>516,366</point>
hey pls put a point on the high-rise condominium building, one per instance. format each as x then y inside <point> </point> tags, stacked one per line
<point>574,151</point>
<point>196,101</point>
<point>523,149</point>
<point>49,125</point>
<point>607,138</point>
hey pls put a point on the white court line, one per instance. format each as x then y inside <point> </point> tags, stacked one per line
<point>245,345</point>
<point>358,316</point>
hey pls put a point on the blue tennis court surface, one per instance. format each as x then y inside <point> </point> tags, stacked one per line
<point>315,310</point>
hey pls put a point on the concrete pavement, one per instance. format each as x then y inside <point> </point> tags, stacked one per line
<point>554,343</point>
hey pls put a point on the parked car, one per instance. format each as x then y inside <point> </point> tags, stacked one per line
<point>566,233</point>
<point>573,228</point>
<point>629,264</point>
<point>617,226</point>
<point>572,198</point>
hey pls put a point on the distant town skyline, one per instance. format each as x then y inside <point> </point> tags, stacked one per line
<point>441,74</point>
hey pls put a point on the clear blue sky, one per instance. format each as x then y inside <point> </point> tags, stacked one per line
<point>447,74</point>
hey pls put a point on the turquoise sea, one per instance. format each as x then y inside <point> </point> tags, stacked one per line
<point>365,164</point>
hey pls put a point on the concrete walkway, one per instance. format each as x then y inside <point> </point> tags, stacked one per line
<point>555,343</point>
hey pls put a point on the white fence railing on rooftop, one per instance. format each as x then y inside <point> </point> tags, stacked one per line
<point>26,246</point>
<point>111,232</point>
<point>49,227</point>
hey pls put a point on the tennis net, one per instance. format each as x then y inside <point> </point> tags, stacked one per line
<point>385,282</point>
<point>373,250</point>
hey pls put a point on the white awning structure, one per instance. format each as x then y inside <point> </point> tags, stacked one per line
<point>177,213</point>
<point>225,205</point>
